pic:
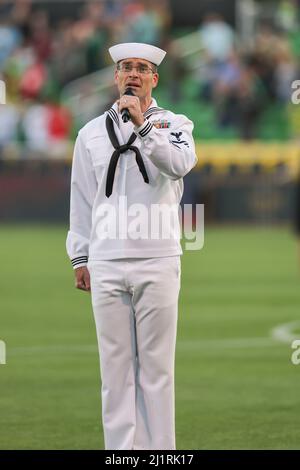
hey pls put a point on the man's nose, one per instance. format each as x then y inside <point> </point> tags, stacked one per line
<point>133,72</point>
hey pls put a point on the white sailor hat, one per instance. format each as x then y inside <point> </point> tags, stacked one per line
<point>137,50</point>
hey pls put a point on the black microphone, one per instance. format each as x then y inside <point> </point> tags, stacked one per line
<point>125,113</point>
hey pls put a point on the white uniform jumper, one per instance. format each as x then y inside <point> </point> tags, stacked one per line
<point>135,280</point>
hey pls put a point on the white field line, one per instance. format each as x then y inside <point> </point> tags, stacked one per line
<point>285,332</point>
<point>228,343</point>
<point>281,333</point>
<point>184,345</point>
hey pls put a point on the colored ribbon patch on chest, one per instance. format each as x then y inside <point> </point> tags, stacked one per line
<point>161,124</point>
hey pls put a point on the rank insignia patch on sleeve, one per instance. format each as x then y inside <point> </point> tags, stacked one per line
<point>177,139</point>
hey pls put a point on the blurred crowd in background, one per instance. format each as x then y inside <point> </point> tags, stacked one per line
<point>39,57</point>
<point>242,81</point>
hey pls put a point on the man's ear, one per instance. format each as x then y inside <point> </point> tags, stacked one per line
<point>155,79</point>
<point>116,76</point>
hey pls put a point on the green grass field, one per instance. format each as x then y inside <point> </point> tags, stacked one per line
<point>236,387</point>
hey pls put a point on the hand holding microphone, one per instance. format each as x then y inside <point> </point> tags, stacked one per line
<point>125,112</point>
<point>130,108</point>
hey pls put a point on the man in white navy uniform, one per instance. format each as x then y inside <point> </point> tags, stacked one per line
<point>134,280</point>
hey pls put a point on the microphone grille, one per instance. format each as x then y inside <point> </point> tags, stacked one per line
<point>128,92</point>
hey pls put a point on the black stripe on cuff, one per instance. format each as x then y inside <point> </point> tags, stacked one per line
<point>80,259</point>
<point>145,130</point>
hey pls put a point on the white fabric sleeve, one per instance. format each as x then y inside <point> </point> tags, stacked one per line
<point>173,152</point>
<point>83,192</point>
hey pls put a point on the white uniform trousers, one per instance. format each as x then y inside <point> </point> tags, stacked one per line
<point>135,304</point>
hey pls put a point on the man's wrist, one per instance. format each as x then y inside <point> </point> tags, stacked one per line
<point>143,130</point>
<point>79,261</point>
<point>140,121</point>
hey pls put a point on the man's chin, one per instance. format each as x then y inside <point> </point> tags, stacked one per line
<point>135,89</point>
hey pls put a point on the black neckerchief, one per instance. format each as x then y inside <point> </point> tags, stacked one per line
<point>116,154</point>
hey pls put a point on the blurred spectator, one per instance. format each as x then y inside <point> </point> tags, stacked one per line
<point>32,81</point>
<point>285,72</point>
<point>217,38</point>
<point>59,128</point>
<point>268,43</point>
<point>68,61</point>
<point>10,38</point>
<point>142,23</point>
<point>225,90</point>
<point>35,127</point>
<point>46,127</point>
<point>18,11</point>
<point>176,72</point>
<point>251,99</point>
<point>21,59</point>
<point>96,42</point>
<point>41,35</point>
<point>9,121</point>
<point>287,14</point>
<point>239,95</point>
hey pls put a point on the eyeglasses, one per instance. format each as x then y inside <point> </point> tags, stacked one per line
<point>141,68</point>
